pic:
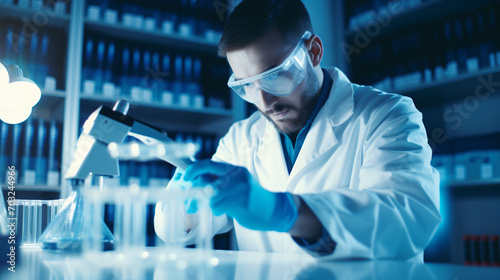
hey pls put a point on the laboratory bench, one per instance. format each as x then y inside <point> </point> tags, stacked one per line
<point>34,263</point>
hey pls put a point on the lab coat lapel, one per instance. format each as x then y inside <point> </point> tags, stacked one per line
<point>324,132</point>
<point>274,173</point>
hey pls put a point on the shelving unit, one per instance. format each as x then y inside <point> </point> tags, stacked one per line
<point>468,206</point>
<point>46,16</point>
<point>473,183</point>
<point>71,107</point>
<point>155,37</point>
<point>451,89</point>
<point>426,12</point>
<point>35,188</point>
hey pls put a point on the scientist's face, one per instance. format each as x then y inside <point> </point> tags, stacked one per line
<point>288,113</point>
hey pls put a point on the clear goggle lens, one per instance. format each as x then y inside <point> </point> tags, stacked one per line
<point>279,81</point>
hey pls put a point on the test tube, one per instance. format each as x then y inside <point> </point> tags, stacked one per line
<point>131,222</point>
<point>34,216</point>
<point>32,221</point>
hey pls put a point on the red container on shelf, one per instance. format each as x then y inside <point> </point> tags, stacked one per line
<point>467,250</point>
<point>495,250</point>
<point>486,251</point>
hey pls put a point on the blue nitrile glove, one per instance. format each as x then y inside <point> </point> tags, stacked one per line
<point>177,183</point>
<point>240,196</point>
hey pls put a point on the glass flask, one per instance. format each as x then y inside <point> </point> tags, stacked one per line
<point>70,225</point>
<point>74,223</point>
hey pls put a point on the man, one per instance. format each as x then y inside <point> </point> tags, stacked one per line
<point>326,167</point>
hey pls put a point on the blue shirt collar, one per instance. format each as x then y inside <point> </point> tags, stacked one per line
<point>291,152</point>
<point>325,92</point>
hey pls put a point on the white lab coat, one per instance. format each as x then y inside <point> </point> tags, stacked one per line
<point>364,170</point>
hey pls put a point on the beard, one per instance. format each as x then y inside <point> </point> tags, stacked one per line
<point>308,100</point>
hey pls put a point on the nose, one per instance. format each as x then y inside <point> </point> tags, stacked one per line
<point>265,99</point>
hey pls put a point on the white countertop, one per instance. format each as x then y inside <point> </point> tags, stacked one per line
<point>34,263</point>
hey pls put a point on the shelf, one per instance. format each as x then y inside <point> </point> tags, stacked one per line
<point>41,188</point>
<point>429,11</point>
<point>34,16</point>
<point>155,37</point>
<point>51,98</point>
<point>473,183</point>
<point>157,113</point>
<point>51,105</point>
<point>468,84</point>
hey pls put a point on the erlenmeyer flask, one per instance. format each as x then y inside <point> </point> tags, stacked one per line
<point>71,225</point>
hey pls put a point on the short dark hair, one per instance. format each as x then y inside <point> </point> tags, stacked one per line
<point>252,19</point>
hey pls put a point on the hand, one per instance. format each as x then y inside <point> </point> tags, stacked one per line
<point>177,183</point>
<point>240,196</point>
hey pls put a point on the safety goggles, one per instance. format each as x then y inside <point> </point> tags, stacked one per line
<point>280,80</point>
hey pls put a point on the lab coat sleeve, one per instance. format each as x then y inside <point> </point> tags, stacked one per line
<point>394,211</point>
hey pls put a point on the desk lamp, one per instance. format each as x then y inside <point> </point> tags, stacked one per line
<point>17,95</point>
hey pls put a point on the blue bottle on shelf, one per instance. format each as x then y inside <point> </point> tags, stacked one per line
<point>53,163</point>
<point>126,70</point>
<point>169,17</point>
<point>178,86</point>
<point>493,27</point>
<point>111,12</point>
<point>136,88</point>
<point>146,85</point>
<point>99,67</point>
<point>449,51</point>
<point>30,69</point>
<point>183,24</point>
<point>108,85</point>
<point>154,76</point>
<point>486,51</point>
<point>28,176</point>
<point>166,96</point>
<point>88,85</point>
<point>94,11</point>
<point>11,45</point>
<point>43,66</point>
<point>4,157</point>
<point>41,153</point>
<point>460,45</point>
<point>16,143</point>
<point>196,89</point>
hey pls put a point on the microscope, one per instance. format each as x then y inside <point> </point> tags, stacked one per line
<point>103,127</point>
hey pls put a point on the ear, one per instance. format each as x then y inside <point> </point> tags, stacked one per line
<point>315,49</point>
